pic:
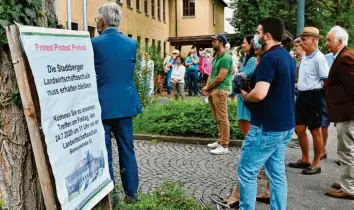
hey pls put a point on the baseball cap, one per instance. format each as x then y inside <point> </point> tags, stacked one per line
<point>222,38</point>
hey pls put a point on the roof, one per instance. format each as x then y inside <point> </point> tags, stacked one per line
<point>223,3</point>
<point>202,40</point>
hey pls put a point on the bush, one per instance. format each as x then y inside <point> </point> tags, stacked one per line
<point>142,75</point>
<point>168,196</point>
<point>183,118</point>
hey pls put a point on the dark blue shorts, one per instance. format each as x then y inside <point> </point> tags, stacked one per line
<point>310,109</point>
<point>325,121</point>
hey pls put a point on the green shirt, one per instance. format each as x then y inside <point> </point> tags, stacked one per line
<point>223,61</point>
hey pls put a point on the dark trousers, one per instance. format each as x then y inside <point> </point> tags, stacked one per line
<point>192,77</point>
<point>122,129</point>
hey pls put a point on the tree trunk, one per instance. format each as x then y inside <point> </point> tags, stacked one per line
<point>19,184</point>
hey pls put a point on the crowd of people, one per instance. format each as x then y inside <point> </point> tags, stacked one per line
<point>280,93</point>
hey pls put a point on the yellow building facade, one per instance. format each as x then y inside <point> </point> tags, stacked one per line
<point>153,21</point>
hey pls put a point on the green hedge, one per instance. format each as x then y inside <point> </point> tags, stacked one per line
<point>183,118</point>
<point>169,196</point>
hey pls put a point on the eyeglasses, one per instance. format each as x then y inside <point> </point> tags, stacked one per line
<point>97,19</point>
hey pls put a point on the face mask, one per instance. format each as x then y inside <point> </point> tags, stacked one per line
<point>256,42</point>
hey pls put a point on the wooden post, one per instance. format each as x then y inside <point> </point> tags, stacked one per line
<point>106,203</point>
<point>31,116</point>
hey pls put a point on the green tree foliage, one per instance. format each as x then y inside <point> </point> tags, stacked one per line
<point>27,12</point>
<point>318,13</point>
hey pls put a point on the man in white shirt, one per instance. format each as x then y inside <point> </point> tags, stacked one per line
<point>310,104</point>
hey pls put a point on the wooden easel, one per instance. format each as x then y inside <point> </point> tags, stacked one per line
<point>32,118</point>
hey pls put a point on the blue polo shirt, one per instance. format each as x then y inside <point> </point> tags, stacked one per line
<point>277,111</point>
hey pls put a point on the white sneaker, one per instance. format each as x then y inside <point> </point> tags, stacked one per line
<point>213,145</point>
<point>219,150</point>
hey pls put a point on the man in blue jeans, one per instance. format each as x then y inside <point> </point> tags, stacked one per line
<point>192,64</point>
<point>272,118</point>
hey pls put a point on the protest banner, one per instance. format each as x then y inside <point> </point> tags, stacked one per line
<point>62,66</point>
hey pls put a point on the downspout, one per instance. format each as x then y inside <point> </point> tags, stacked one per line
<point>176,18</point>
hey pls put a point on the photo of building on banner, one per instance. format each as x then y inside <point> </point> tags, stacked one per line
<point>62,64</point>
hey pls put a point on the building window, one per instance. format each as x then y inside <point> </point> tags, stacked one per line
<point>138,38</point>
<point>130,35</point>
<point>164,49</point>
<point>159,9</point>
<point>137,4</point>
<point>146,7</point>
<point>159,46</point>
<point>214,14</point>
<point>146,43</point>
<point>153,42</point>
<point>164,10</point>
<point>92,31</point>
<point>129,3</point>
<point>74,26</point>
<point>153,8</point>
<point>188,7</point>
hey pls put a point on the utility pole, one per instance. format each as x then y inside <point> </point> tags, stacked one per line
<point>84,11</point>
<point>300,16</point>
<point>68,10</point>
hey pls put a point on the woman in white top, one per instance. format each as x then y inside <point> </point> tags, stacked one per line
<point>177,78</point>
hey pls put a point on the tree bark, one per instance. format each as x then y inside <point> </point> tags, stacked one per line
<point>19,184</point>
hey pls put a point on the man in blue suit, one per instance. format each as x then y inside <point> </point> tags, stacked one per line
<point>115,56</point>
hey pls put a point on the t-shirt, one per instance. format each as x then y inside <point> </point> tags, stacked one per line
<point>208,64</point>
<point>193,67</point>
<point>223,61</point>
<point>277,111</point>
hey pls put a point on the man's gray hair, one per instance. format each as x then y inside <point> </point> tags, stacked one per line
<point>340,34</point>
<point>111,14</point>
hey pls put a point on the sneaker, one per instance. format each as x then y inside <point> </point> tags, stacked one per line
<point>213,145</point>
<point>219,150</point>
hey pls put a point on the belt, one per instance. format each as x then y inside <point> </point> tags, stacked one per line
<point>310,91</point>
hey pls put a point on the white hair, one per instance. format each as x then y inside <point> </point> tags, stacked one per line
<point>340,34</point>
<point>111,14</point>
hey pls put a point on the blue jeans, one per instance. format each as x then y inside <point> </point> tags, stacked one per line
<point>263,148</point>
<point>122,129</point>
<point>192,77</point>
<point>168,82</point>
